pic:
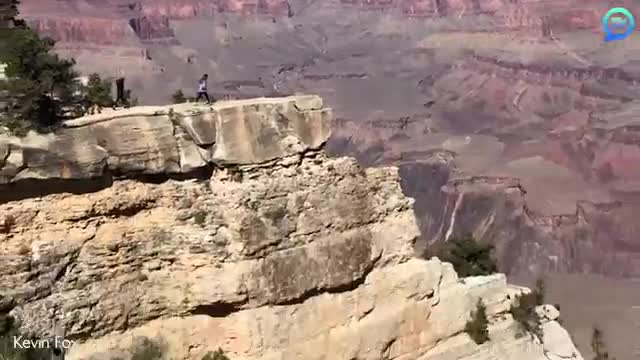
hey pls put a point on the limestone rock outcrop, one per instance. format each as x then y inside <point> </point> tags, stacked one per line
<point>169,140</point>
<point>278,253</point>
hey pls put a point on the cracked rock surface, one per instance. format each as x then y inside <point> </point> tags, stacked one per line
<point>169,139</point>
<point>281,255</point>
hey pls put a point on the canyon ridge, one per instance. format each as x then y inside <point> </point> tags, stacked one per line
<point>228,226</point>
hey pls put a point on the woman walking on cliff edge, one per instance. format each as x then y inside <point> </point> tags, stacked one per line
<point>202,89</point>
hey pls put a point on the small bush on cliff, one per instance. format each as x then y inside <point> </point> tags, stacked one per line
<point>144,348</point>
<point>8,11</point>
<point>200,217</point>
<point>477,326</point>
<point>97,92</point>
<point>598,345</point>
<point>524,310</point>
<point>178,97</point>
<point>8,20</point>
<point>468,256</point>
<point>215,355</point>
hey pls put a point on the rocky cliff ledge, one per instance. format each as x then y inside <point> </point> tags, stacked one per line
<point>158,141</point>
<point>278,253</point>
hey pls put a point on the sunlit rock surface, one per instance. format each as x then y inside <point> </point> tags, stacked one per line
<point>278,252</point>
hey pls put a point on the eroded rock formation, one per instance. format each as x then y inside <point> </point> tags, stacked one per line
<point>277,253</point>
<point>79,20</point>
<point>168,140</point>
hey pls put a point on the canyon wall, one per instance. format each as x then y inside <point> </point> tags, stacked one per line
<point>526,148</point>
<point>561,203</point>
<point>274,252</point>
<point>116,22</point>
<point>595,238</point>
<point>108,22</point>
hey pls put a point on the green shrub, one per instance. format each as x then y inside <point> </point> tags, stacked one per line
<point>468,257</point>
<point>178,97</point>
<point>200,217</point>
<point>476,327</point>
<point>215,355</point>
<point>40,85</point>
<point>524,309</point>
<point>41,88</point>
<point>97,92</point>
<point>8,13</point>
<point>144,348</point>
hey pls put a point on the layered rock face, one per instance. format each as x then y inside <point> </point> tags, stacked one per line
<point>70,20</point>
<point>591,238</point>
<point>106,23</point>
<point>109,22</point>
<point>530,206</point>
<point>188,9</point>
<point>276,252</point>
<point>175,140</point>
<point>527,148</point>
<point>565,176</point>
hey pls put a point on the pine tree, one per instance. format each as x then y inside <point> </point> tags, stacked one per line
<point>96,94</point>
<point>40,85</point>
<point>476,327</point>
<point>9,14</point>
<point>8,21</point>
<point>468,256</point>
<point>524,312</point>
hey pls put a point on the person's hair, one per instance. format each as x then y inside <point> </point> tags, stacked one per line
<point>205,75</point>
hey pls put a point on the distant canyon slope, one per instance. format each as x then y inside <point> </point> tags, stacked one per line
<point>511,119</point>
